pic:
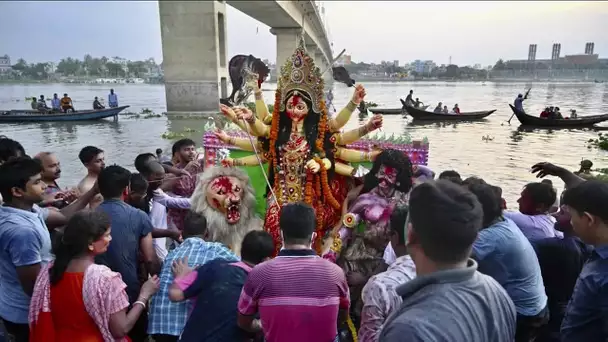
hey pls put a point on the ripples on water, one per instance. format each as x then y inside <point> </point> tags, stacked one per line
<point>504,161</point>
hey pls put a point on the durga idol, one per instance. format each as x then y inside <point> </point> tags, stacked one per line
<point>304,149</point>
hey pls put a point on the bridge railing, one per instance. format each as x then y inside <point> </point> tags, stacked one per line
<point>320,9</point>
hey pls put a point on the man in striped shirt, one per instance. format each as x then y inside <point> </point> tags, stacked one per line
<point>298,295</point>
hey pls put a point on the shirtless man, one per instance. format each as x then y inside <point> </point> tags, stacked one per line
<point>93,159</point>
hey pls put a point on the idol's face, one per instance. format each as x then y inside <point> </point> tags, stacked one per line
<point>387,179</point>
<point>297,109</point>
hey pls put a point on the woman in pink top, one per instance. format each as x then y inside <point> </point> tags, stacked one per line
<point>76,300</point>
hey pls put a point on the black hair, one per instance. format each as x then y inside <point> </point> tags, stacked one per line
<point>88,153</point>
<point>445,218</point>
<point>257,245</point>
<point>147,170</point>
<point>297,222</point>
<point>10,148</point>
<point>547,181</point>
<point>311,130</point>
<point>398,222</point>
<point>490,200</point>
<point>15,173</point>
<point>194,224</point>
<point>151,167</point>
<point>158,151</point>
<point>473,180</point>
<point>83,228</point>
<point>395,159</point>
<point>113,180</point>
<point>541,193</point>
<point>181,144</point>
<point>588,197</point>
<point>452,176</point>
<point>498,191</point>
<point>138,183</point>
<point>141,160</point>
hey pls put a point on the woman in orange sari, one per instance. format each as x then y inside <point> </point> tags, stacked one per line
<point>76,300</point>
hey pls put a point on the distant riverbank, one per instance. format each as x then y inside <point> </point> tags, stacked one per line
<point>359,79</point>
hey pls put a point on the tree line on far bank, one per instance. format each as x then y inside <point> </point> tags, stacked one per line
<point>89,66</point>
<point>450,71</point>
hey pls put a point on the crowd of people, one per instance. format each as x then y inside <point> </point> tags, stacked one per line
<point>65,104</point>
<point>122,258</point>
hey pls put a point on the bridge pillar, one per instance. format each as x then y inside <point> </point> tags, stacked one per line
<point>287,41</point>
<point>194,55</point>
<point>322,63</point>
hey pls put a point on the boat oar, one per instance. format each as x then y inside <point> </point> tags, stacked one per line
<point>509,121</point>
<point>525,97</point>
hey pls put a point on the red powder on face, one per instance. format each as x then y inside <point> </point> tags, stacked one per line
<point>223,183</point>
<point>294,100</point>
<point>216,203</point>
<point>390,171</point>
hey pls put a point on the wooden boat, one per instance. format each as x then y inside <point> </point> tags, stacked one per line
<point>35,116</point>
<point>418,114</point>
<point>392,111</point>
<point>581,121</point>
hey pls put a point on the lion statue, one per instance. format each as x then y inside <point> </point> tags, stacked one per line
<point>225,196</point>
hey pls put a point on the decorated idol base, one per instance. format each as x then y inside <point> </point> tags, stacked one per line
<point>416,150</point>
<point>215,151</point>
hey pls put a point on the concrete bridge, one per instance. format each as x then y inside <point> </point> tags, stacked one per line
<point>194,40</point>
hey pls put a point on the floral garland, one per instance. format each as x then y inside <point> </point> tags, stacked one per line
<point>319,145</point>
<point>274,134</point>
<point>308,192</point>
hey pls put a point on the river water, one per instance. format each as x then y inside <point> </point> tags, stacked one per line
<point>504,160</point>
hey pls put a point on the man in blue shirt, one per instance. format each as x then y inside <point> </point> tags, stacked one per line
<point>131,234</point>
<point>55,103</point>
<point>504,253</point>
<point>25,243</point>
<point>519,103</point>
<point>112,99</point>
<point>587,311</point>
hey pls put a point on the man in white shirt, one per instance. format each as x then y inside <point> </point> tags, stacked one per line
<point>155,174</point>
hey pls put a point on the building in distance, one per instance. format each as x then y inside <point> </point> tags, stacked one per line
<point>5,64</point>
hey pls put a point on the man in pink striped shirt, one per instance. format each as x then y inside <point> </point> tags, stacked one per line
<point>299,296</point>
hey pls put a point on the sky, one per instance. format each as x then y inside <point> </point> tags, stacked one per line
<point>370,31</point>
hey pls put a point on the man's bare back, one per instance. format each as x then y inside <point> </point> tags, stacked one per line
<point>85,185</point>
